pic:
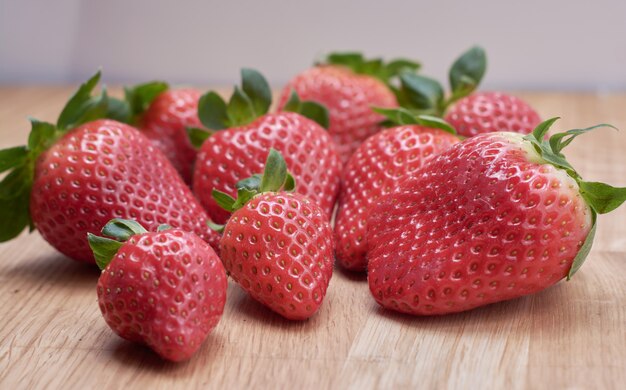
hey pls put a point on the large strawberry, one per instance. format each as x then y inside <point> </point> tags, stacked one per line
<point>166,289</point>
<point>277,245</point>
<point>72,178</point>
<point>349,85</point>
<point>246,134</point>
<point>495,217</point>
<point>375,169</point>
<point>163,115</point>
<point>485,112</point>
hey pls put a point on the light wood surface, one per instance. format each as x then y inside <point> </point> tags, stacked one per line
<point>572,335</point>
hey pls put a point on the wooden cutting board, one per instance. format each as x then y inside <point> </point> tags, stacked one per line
<point>571,336</point>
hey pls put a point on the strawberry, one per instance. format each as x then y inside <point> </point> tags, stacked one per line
<point>498,216</point>
<point>72,178</point>
<point>349,85</point>
<point>163,115</point>
<point>166,289</point>
<point>373,171</point>
<point>277,246</point>
<point>246,134</point>
<point>485,112</point>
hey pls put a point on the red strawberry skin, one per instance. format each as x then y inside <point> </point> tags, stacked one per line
<point>279,248</point>
<point>103,170</point>
<point>234,154</point>
<point>349,98</point>
<point>486,112</point>
<point>166,122</point>
<point>373,171</point>
<point>486,221</point>
<point>165,289</point>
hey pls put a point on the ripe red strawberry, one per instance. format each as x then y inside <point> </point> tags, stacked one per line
<point>485,112</point>
<point>493,218</point>
<point>230,155</point>
<point>166,289</point>
<point>69,181</point>
<point>348,85</point>
<point>163,115</point>
<point>373,171</point>
<point>277,245</point>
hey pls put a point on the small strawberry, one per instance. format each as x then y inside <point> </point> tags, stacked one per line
<point>163,115</point>
<point>375,169</point>
<point>485,112</point>
<point>72,178</point>
<point>246,135</point>
<point>278,246</point>
<point>349,85</point>
<point>496,217</point>
<point>166,289</point>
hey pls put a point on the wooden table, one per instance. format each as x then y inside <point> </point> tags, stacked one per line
<point>571,336</point>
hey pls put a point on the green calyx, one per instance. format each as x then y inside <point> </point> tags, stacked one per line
<point>601,198</point>
<point>427,96</point>
<point>274,178</point>
<point>119,231</point>
<point>402,116</point>
<point>19,161</point>
<point>136,101</point>
<point>310,109</point>
<point>376,67</point>
<point>248,102</point>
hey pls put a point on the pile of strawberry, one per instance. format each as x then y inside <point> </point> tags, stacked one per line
<point>448,201</point>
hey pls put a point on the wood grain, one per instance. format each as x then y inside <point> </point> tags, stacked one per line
<point>570,336</point>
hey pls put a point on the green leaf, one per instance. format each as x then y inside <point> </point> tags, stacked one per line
<point>104,249</point>
<point>119,110</point>
<point>397,116</point>
<point>215,226</point>
<point>561,140</point>
<point>12,157</point>
<point>290,183</point>
<point>310,109</point>
<point>122,229</point>
<point>212,111</point>
<point>41,136</point>
<point>224,200</point>
<point>436,123</point>
<point>15,216</point>
<point>602,197</point>
<point>252,183</point>
<point>467,71</point>
<point>14,184</point>
<point>163,227</point>
<point>275,172</point>
<point>541,130</point>
<point>140,96</point>
<point>421,92</point>
<point>257,89</point>
<point>240,110</point>
<point>352,60</point>
<point>584,250</point>
<point>197,136</point>
<point>401,65</point>
<point>82,107</point>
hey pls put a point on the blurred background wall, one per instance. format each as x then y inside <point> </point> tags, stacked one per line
<point>531,44</point>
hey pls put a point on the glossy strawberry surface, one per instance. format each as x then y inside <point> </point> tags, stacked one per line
<point>279,248</point>
<point>234,154</point>
<point>348,97</point>
<point>485,221</point>
<point>165,123</point>
<point>485,112</point>
<point>374,170</point>
<point>103,170</point>
<point>165,289</point>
